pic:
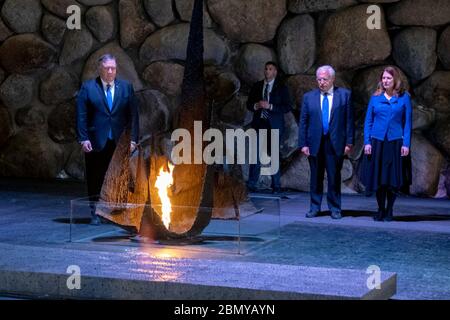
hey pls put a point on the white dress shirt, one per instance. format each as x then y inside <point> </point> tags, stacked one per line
<point>104,83</point>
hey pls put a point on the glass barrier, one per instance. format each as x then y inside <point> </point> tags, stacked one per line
<point>237,230</point>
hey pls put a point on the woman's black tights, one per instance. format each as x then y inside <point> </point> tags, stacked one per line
<point>385,212</point>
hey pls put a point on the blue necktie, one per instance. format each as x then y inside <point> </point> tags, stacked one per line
<point>109,97</point>
<point>110,103</point>
<point>265,113</point>
<point>325,108</point>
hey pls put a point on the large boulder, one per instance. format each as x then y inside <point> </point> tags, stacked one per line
<point>160,11</point>
<point>235,112</point>
<point>6,126</point>
<point>297,175</point>
<point>125,66</point>
<point>17,91</point>
<point>44,159</point>
<point>220,85</point>
<point>434,92</point>
<point>447,180</point>
<point>303,6</point>
<point>101,22</point>
<point>300,84</point>
<point>365,83</point>
<point>423,117</point>
<point>155,113</point>
<point>59,7</point>
<point>420,13</point>
<point>184,9</point>
<point>94,2</point>
<point>165,76</point>
<point>62,123</point>
<point>77,45</point>
<point>26,52</point>
<point>60,86</point>
<point>22,15</point>
<point>134,27</point>
<point>348,43</point>
<point>4,31</point>
<point>444,48</point>
<point>242,20</point>
<point>415,51</point>
<point>53,29</point>
<point>251,60</point>
<point>297,35</point>
<point>425,178</point>
<point>170,44</point>
<point>31,117</point>
<point>75,166</point>
<point>441,135</point>
<point>289,141</point>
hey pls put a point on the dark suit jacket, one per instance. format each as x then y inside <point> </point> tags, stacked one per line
<point>95,120</point>
<point>341,127</point>
<point>279,98</point>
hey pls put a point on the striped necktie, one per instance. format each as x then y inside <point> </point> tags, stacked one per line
<point>265,113</point>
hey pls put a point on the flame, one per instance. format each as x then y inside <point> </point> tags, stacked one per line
<point>163,182</point>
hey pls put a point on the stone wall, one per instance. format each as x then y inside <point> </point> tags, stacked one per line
<point>43,64</point>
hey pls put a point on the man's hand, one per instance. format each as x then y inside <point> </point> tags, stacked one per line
<point>367,149</point>
<point>404,151</point>
<point>305,151</point>
<point>264,104</point>
<point>347,150</point>
<point>86,146</point>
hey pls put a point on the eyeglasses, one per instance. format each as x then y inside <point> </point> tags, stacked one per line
<point>323,79</point>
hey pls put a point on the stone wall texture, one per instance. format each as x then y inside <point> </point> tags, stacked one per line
<point>42,64</point>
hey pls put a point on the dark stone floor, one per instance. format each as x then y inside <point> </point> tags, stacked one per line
<point>416,245</point>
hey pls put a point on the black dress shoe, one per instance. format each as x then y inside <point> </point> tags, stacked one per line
<point>336,215</point>
<point>379,215</point>
<point>277,191</point>
<point>252,189</point>
<point>389,215</point>
<point>312,214</point>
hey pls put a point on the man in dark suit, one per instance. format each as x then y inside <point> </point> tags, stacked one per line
<point>269,100</point>
<point>326,133</point>
<point>105,107</point>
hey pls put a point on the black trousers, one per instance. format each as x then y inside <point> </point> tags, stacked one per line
<point>255,169</point>
<point>326,159</point>
<point>97,163</point>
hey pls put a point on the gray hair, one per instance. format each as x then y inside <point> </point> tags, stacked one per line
<point>326,68</point>
<point>105,57</point>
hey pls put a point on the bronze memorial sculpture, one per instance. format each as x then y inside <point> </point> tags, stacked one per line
<point>155,199</point>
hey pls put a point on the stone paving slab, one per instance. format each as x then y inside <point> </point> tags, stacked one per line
<point>133,274</point>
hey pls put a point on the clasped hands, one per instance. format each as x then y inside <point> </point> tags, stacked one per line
<point>86,146</point>
<point>305,150</point>
<point>262,105</point>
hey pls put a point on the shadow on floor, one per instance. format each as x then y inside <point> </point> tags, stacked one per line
<point>200,240</point>
<point>402,218</point>
<point>74,221</point>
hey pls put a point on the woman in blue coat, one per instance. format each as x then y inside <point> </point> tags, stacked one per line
<point>387,140</point>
